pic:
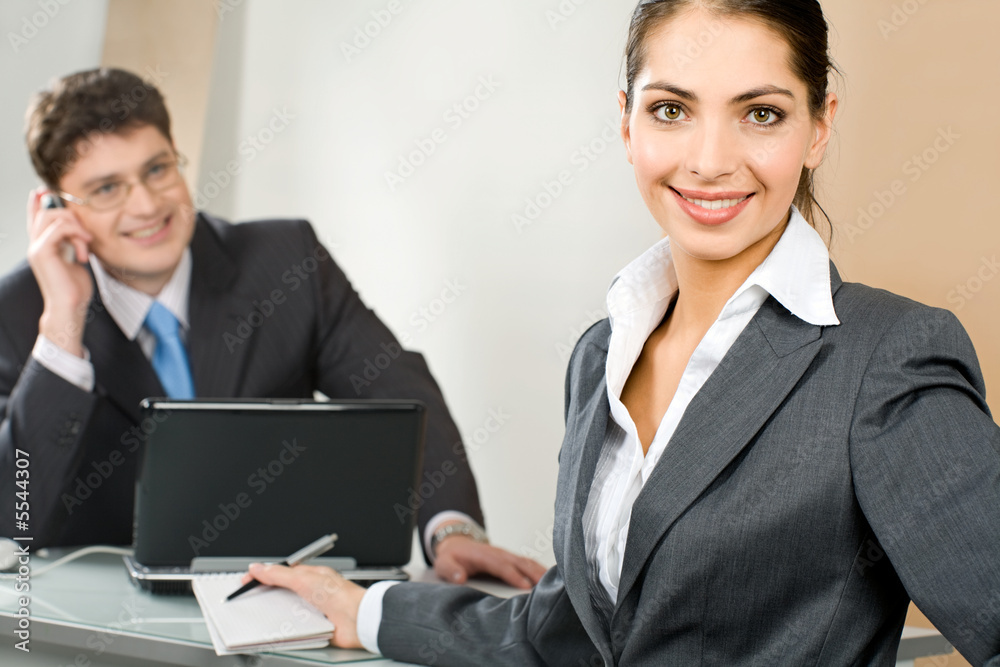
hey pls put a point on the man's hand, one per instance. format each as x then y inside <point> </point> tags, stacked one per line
<point>459,557</point>
<point>338,598</point>
<point>66,287</point>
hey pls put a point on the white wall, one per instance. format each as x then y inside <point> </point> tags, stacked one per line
<point>41,40</point>
<point>526,294</point>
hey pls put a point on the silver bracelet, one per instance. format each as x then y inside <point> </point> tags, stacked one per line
<point>470,529</point>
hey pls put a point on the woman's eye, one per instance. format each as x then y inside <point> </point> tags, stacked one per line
<point>763,116</point>
<point>105,190</point>
<point>670,112</point>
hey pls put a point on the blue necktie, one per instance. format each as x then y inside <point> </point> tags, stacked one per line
<point>169,358</point>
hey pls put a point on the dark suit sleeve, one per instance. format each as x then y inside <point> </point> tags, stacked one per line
<point>925,456</point>
<point>440,624</point>
<point>45,417</point>
<point>360,358</point>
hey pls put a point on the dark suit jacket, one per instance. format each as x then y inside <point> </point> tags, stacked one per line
<point>821,478</point>
<point>271,315</point>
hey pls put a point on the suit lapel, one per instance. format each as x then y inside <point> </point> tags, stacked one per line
<point>577,569</point>
<point>123,373</point>
<point>214,309</point>
<point>754,377</point>
<point>584,440</point>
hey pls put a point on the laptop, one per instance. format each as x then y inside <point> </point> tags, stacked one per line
<point>224,483</point>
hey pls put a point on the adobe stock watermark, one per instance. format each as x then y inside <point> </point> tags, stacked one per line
<point>541,548</point>
<point>265,307</point>
<point>496,419</point>
<point>373,366</point>
<point>100,641</point>
<point>251,146</point>
<point>565,348</point>
<point>365,34</point>
<point>695,48</point>
<point>562,12</point>
<point>551,190</point>
<point>435,647</point>
<point>32,25</point>
<point>432,481</point>
<point>223,7</point>
<point>984,622</point>
<point>423,317</point>
<point>965,292</point>
<point>259,481</point>
<point>276,640</point>
<point>421,320</point>
<point>453,118</point>
<point>900,16</point>
<point>914,168</point>
<point>93,477</point>
<point>475,440</point>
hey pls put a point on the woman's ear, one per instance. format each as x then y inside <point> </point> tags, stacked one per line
<point>824,131</point>
<point>626,137</point>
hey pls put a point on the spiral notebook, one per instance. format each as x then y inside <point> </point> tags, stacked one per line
<point>263,619</point>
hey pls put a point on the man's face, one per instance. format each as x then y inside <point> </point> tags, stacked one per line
<point>140,240</point>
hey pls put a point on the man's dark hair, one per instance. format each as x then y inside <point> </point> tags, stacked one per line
<point>62,121</point>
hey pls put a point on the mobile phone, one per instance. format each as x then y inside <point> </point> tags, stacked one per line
<point>51,201</point>
<point>65,249</point>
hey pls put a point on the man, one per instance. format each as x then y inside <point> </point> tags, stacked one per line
<point>129,292</point>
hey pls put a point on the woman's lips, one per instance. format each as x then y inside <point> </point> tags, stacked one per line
<point>712,208</point>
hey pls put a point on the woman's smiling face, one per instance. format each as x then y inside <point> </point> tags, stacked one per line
<point>718,132</point>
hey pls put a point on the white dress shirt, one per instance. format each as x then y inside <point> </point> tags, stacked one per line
<point>128,307</point>
<point>796,273</point>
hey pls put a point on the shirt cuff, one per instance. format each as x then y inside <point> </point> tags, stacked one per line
<point>68,366</point>
<point>370,615</point>
<point>435,523</point>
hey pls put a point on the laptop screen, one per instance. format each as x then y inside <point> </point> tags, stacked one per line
<point>260,479</point>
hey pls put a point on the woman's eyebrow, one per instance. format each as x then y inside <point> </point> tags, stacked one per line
<point>742,98</point>
<point>671,88</point>
<point>760,91</point>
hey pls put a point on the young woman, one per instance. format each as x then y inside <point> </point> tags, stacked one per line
<point>762,464</point>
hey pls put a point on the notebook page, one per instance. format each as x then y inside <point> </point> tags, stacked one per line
<point>263,618</point>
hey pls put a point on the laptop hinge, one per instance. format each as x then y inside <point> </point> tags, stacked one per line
<point>232,564</point>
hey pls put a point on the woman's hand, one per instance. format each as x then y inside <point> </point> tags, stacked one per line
<point>459,557</point>
<point>338,598</point>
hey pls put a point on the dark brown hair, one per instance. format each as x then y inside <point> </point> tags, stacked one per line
<point>799,22</point>
<point>62,121</point>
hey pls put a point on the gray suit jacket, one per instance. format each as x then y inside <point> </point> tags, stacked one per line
<point>271,315</point>
<point>821,478</point>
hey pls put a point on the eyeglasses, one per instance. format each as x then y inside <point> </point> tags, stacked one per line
<point>161,175</point>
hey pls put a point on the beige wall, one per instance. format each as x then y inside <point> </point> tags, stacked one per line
<point>926,90</point>
<point>169,43</point>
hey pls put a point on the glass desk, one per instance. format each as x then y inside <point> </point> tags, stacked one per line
<point>87,614</point>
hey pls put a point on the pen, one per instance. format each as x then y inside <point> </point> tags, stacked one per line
<point>308,552</point>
